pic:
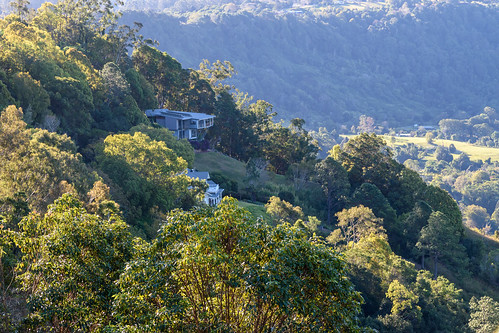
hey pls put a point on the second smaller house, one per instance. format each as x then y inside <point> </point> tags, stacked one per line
<point>213,195</point>
<point>184,125</point>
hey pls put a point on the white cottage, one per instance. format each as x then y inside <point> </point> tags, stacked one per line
<point>213,194</point>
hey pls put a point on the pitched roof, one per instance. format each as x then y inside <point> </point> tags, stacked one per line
<point>198,174</point>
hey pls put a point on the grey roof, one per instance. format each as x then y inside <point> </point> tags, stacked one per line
<point>178,114</point>
<point>198,174</point>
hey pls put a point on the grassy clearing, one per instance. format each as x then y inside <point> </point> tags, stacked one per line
<point>257,210</point>
<point>234,169</point>
<point>490,241</point>
<point>214,161</point>
<point>475,152</point>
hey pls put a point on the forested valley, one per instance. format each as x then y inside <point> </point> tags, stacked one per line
<point>101,229</point>
<point>400,62</point>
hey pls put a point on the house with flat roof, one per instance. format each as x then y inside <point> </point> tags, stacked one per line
<point>213,194</point>
<point>184,125</point>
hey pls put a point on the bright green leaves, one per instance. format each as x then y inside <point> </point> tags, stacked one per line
<point>283,211</point>
<point>417,302</point>
<point>153,159</point>
<point>181,147</point>
<point>41,164</point>
<point>216,73</point>
<point>226,271</point>
<point>484,315</point>
<point>149,298</point>
<point>22,44</point>
<point>63,88</point>
<point>71,260</point>
<point>150,174</point>
<point>77,22</point>
<point>442,304</point>
<point>46,81</point>
<point>356,223</point>
<point>404,301</point>
<point>405,314</point>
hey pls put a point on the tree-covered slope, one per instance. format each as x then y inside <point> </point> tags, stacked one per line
<point>102,231</point>
<point>400,64</point>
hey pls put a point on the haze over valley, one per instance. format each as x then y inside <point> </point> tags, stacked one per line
<point>402,63</point>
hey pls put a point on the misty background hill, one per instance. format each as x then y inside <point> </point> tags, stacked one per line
<point>399,62</point>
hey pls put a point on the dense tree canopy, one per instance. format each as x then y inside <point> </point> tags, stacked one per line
<point>39,163</point>
<point>149,173</point>
<point>368,160</point>
<point>334,182</point>
<point>331,63</point>
<point>210,268</point>
<point>72,259</point>
<point>232,273</point>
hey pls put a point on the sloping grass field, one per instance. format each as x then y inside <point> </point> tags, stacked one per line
<point>234,169</point>
<point>257,210</point>
<point>214,161</point>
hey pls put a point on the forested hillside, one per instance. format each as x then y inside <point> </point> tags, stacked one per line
<point>329,63</point>
<point>101,230</point>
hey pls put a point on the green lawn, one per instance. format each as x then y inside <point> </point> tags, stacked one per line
<point>233,169</point>
<point>214,161</point>
<point>257,210</point>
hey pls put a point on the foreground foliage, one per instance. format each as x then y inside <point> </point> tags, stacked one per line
<point>229,272</point>
<point>70,260</point>
<point>208,270</point>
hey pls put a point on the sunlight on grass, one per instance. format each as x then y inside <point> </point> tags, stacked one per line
<point>257,210</point>
<point>475,152</point>
<point>234,169</point>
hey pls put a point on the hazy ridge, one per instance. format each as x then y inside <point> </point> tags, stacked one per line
<point>403,65</point>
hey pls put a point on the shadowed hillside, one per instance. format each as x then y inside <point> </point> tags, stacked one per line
<point>329,65</point>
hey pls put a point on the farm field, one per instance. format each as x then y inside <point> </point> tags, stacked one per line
<point>475,152</point>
